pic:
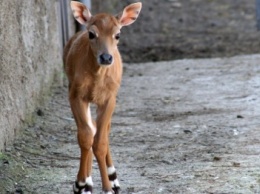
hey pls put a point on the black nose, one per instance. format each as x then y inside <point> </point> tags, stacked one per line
<point>106,59</point>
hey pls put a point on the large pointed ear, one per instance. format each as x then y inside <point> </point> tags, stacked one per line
<point>81,12</point>
<point>129,14</point>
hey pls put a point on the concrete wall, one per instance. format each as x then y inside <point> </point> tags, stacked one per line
<point>110,6</point>
<point>30,58</point>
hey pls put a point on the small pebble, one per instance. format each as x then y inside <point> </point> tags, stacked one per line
<point>187,131</point>
<point>40,112</point>
<point>18,191</point>
<point>236,164</point>
<point>176,4</point>
<point>5,161</point>
<point>216,158</point>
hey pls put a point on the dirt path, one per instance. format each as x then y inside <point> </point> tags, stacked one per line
<point>189,126</point>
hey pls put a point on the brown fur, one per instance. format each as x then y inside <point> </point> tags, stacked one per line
<point>86,78</point>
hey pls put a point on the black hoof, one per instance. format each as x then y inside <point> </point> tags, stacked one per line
<point>116,190</point>
<point>79,189</point>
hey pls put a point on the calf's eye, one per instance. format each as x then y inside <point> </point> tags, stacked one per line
<point>91,35</point>
<point>117,36</point>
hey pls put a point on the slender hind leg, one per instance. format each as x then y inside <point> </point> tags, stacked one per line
<point>112,175</point>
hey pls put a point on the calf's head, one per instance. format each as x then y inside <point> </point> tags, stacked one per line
<point>104,29</point>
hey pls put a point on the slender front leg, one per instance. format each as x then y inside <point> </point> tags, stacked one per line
<point>86,132</point>
<point>100,146</point>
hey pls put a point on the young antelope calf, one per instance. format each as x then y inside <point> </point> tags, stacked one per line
<point>94,69</point>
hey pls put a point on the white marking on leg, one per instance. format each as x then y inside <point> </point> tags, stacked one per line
<point>115,183</point>
<point>109,192</point>
<point>89,181</point>
<point>81,184</point>
<point>90,122</point>
<point>111,170</point>
<point>88,192</point>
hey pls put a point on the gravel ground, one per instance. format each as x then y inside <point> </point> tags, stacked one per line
<point>186,126</point>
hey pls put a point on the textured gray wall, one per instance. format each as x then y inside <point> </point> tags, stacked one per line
<point>30,57</point>
<point>110,6</point>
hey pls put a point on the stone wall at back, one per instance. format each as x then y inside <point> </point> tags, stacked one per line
<point>30,60</point>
